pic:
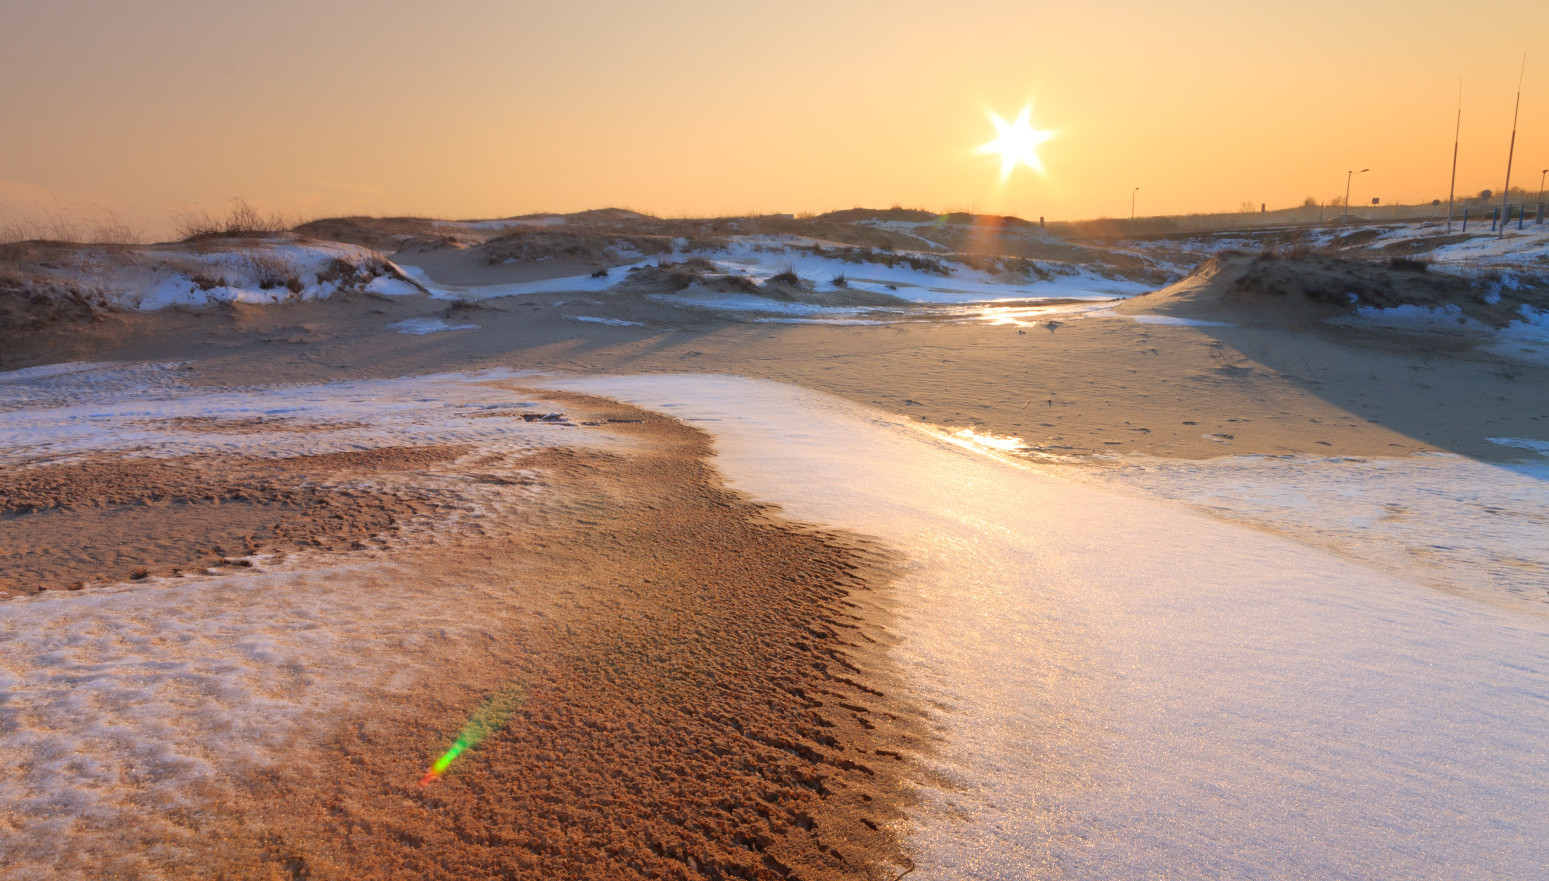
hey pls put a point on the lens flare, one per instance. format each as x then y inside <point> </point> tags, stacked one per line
<point>1017,142</point>
<point>486,720</point>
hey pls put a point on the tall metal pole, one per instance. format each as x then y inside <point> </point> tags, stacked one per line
<point>1453,188</point>
<point>1348,176</point>
<point>1132,211</point>
<point>1511,151</point>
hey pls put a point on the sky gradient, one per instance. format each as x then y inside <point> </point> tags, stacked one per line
<point>482,108</point>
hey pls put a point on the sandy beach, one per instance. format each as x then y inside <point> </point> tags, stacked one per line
<point>666,565</point>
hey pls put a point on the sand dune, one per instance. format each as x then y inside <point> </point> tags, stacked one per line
<point>274,554</point>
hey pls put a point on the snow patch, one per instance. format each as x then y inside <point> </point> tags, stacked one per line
<point>611,322</point>
<point>1176,320</point>
<point>1522,443</point>
<point>428,325</point>
<point>1411,317</point>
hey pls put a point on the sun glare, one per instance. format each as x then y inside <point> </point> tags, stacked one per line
<point>1017,142</point>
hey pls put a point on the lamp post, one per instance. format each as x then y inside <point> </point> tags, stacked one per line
<point>1132,211</point>
<point>1511,151</point>
<point>1538,216</point>
<point>1348,176</point>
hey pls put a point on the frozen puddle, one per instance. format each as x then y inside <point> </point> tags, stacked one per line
<point>1128,689</point>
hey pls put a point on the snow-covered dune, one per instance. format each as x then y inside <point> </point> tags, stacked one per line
<point>255,271</point>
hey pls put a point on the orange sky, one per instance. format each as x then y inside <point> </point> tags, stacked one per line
<point>484,108</point>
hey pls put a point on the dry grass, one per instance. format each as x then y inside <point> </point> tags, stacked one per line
<point>1410,264</point>
<point>787,275</point>
<point>243,221</point>
<point>103,228</point>
<point>272,270</point>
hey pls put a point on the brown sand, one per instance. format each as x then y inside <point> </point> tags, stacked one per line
<point>109,519</point>
<point>688,701</point>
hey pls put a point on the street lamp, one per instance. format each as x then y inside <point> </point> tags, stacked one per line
<point>1538,216</point>
<point>1348,176</point>
<point>1132,210</point>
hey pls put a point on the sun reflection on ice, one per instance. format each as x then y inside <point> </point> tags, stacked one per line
<point>1001,443</point>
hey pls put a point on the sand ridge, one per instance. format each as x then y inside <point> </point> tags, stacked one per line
<point>691,703</point>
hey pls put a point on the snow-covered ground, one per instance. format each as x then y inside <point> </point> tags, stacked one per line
<point>1527,248</point>
<point>760,258</point>
<point>1478,247</point>
<point>1128,689</point>
<point>927,280</point>
<point>1123,687</point>
<point>257,272</point>
<point>1437,518</point>
<point>120,706</point>
<point>565,285</point>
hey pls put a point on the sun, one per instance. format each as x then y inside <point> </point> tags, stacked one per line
<point>1017,142</point>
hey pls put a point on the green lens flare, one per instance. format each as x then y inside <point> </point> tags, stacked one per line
<point>486,720</point>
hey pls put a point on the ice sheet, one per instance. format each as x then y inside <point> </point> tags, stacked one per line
<point>1129,690</point>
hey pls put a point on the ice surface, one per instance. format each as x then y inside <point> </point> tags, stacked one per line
<point>428,325</point>
<point>1127,689</point>
<point>611,322</point>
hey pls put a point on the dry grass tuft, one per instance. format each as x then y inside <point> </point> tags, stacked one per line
<point>272,270</point>
<point>787,275</point>
<point>244,221</point>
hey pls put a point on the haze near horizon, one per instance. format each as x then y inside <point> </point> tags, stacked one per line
<point>485,109</point>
